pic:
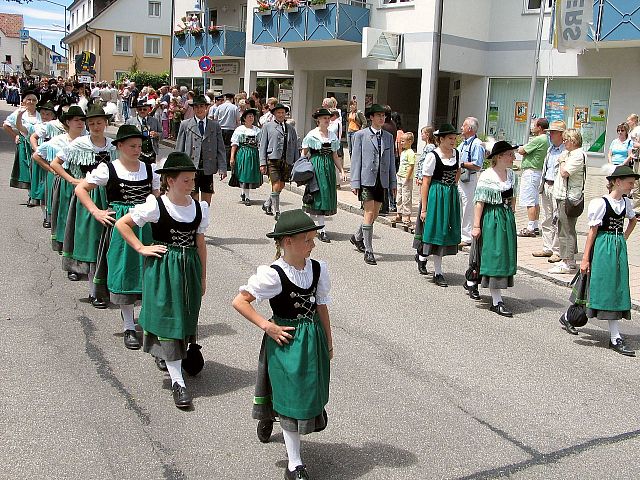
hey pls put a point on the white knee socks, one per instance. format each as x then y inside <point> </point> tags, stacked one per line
<point>614,330</point>
<point>245,192</point>
<point>275,201</point>
<point>127,317</point>
<point>92,274</point>
<point>437,264</point>
<point>292,442</point>
<point>496,295</point>
<point>175,370</point>
<point>319,220</point>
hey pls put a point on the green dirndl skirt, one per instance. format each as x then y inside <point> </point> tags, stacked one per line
<point>609,295</point>
<point>38,184</point>
<point>60,200</point>
<point>499,253</point>
<point>82,233</point>
<point>48,191</point>
<point>441,230</point>
<point>248,167</point>
<point>171,294</point>
<point>325,200</point>
<point>21,171</point>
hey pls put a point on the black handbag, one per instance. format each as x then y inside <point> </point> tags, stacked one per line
<point>574,208</point>
<point>473,272</point>
<point>576,314</point>
<point>194,363</point>
<point>233,180</point>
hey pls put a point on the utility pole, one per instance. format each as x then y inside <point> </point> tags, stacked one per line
<point>534,75</point>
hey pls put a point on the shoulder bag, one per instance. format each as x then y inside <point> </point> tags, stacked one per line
<point>574,208</point>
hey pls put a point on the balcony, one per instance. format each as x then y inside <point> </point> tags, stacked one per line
<point>226,42</point>
<point>616,21</point>
<point>334,23</point>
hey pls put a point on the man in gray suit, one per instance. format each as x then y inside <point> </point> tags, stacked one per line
<point>201,139</point>
<point>151,130</point>
<point>373,171</point>
<point>278,152</point>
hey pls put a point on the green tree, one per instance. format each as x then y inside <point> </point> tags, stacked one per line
<point>143,79</point>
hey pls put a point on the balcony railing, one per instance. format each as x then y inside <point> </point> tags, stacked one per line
<point>340,22</point>
<point>616,20</point>
<point>225,41</point>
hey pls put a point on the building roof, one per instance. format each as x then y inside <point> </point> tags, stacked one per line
<point>11,24</point>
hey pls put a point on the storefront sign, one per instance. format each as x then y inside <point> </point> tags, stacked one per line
<point>521,112</point>
<point>580,116</point>
<point>572,24</point>
<point>599,110</point>
<point>225,68</point>
<point>555,106</point>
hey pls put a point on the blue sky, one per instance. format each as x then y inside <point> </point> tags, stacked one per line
<point>40,14</point>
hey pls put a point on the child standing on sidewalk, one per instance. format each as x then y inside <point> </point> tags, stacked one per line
<point>405,179</point>
<point>293,374</point>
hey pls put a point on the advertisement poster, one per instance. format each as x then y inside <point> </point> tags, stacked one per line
<point>521,112</point>
<point>555,106</point>
<point>492,121</point>
<point>588,132</point>
<point>599,110</point>
<point>580,116</point>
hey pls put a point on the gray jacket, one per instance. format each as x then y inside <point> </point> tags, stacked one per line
<point>272,143</point>
<point>211,145</point>
<point>366,159</point>
<point>153,125</point>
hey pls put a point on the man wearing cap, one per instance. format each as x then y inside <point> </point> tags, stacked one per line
<point>228,117</point>
<point>550,239</point>
<point>471,154</point>
<point>201,139</point>
<point>373,170</point>
<point>534,154</point>
<point>278,151</point>
<point>151,131</point>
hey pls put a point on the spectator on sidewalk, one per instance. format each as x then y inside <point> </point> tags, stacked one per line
<point>534,154</point>
<point>621,146</point>
<point>267,116</point>
<point>568,185</point>
<point>471,157</point>
<point>356,121</point>
<point>550,241</point>
<point>227,116</point>
<point>405,180</point>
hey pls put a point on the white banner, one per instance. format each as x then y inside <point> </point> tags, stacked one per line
<point>572,24</point>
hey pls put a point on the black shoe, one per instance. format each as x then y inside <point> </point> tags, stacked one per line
<point>473,292</point>
<point>180,396</point>
<point>422,266</point>
<point>324,237</point>
<point>500,309</point>
<point>242,197</point>
<point>74,277</point>
<point>567,326</point>
<point>621,348</point>
<point>359,244</point>
<point>131,340</point>
<point>298,473</point>
<point>46,223</point>
<point>160,363</point>
<point>277,216</point>
<point>440,281</point>
<point>98,303</point>
<point>267,209</point>
<point>369,259</point>
<point>247,202</point>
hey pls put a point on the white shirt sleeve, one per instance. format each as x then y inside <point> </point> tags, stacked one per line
<point>99,175</point>
<point>155,181</point>
<point>146,212</point>
<point>235,138</point>
<point>265,284</point>
<point>596,211</point>
<point>11,119</point>
<point>429,165</point>
<point>324,286</point>
<point>204,223</point>
<point>630,213</point>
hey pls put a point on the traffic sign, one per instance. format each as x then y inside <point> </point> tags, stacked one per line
<point>24,34</point>
<point>205,63</point>
<point>56,58</point>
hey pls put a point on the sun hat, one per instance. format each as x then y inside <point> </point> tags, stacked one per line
<point>293,222</point>
<point>177,162</point>
<point>501,147</point>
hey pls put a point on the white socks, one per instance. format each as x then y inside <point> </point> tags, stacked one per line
<point>245,192</point>
<point>470,283</point>
<point>318,220</point>
<point>127,317</point>
<point>614,331</point>
<point>422,258</point>
<point>92,274</point>
<point>496,295</point>
<point>44,211</point>
<point>175,370</point>
<point>532,225</point>
<point>275,201</point>
<point>437,264</point>
<point>292,442</point>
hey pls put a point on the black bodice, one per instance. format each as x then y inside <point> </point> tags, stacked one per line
<point>293,302</point>
<point>507,195</point>
<point>445,173</point>
<point>249,141</point>
<point>612,221</point>
<point>99,157</point>
<point>170,231</point>
<point>324,150</point>
<point>128,191</point>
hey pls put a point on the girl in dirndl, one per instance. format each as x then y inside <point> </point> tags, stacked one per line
<point>322,146</point>
<point>293,373</point>
<point>494,227</point>
<point>128,182</point>
<point>245,160</point>
<point>27,114</point>
<point>605,255</point>
<point>174,273</point>
<point>426,134</point>
<point>440,210</point>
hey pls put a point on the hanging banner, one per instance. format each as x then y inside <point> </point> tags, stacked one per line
<point>554,106</point>
<point>580,116</point>
<point>572,18</point>
<point>521,112</point>
<point>599,110</point>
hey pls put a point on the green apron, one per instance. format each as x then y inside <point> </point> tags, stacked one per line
<point>609,279</point>
<point>38,182</point>
<point>498,257</point>
<point>248,167</point>
<point>442,222</point>
<point>325,200</point>
<point>21,171</point>
<point>85,237</point>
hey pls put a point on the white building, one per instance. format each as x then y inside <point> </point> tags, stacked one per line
<point>11,49</point>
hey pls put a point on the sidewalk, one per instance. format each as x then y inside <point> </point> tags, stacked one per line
<point>595,187</point>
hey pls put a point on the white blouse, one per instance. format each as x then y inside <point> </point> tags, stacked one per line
<point>242,130</point>
<point>429,164</point>
<point>597,209</point>
<point>265,284</point>
<point>27,119</point>
<point>62,155</point>
<point>149,211</point>
<point>100,175</point>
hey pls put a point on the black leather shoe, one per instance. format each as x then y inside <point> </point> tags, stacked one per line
<point>500,309</point>
<point>323,237</point>
<point>440,281</point>
<point>621,348</point>
<point>74,277</point>
<point>131,340</point>
<point>359,244</point>
<point>160,363</point>
<point>46,223</point>
<point>247,202</point>
<point>422,266</point>
<point>473,292</point>
<point>567,326</point>
<point>181,398</point>
<point>242,197</point>
<point>369,259</point>
<point>98,303</point>
<point>267,209</point>
<point>299,473</point>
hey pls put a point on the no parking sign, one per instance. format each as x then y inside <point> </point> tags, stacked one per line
<point>205,63</point>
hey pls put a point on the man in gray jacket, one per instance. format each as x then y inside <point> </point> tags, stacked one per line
<point>151,131</point>
<point>373,170</point>
<point>278,152</point>
<point>201,139</point>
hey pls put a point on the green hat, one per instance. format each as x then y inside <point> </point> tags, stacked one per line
<point>280,106</point>
<point>249,111</point>
<point>74,111</point>
<point>446,129</point>
<point>199,100</point>
<point>127,131</point>
<point>623,171</point>
<point>177,162</point>
<point>95,111</point>
<point>375,108</point>
<point>48,105</point>
<point>293,222</point>
<point>321,112</point>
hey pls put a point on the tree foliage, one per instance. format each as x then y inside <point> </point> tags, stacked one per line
<point>143,79</point>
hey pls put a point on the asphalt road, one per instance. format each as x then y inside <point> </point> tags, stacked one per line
<point>425,383</point>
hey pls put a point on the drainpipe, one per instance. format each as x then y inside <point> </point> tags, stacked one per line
<point>435,62</point>
<point>86,27</point>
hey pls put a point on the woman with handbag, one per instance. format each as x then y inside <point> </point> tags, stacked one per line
<point>568,192</point>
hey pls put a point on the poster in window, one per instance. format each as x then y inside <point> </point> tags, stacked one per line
<point>580,116</point>
<point>599,110</point>
<point>521,112</point>
<point>492,120</point>
<point>554,106</point>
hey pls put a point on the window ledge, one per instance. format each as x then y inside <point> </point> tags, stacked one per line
<point>393,6</point>
<point>150,55</point>
<point>124,54</point>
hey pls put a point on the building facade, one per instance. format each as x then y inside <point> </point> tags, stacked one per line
<point>11,50</point>
<point>41,57</point>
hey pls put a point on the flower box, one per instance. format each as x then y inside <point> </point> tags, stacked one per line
<point>291,9</point>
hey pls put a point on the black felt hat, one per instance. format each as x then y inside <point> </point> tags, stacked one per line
<point>279,106</point>
<point>142,103</point>
<point>199,100</point>
<point>375,108</point>
<point>48,105</point>
<point>177,162</point>
<point>321,112</point>
<point>248,111</point>
<point>293,222</point>
<point>125,132</point>
<point>501,147</point>
<point>623,171</point>
<point>29,91</point>
<point>74,111</point>
<point>446,129</point>
<point>95,111</point>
